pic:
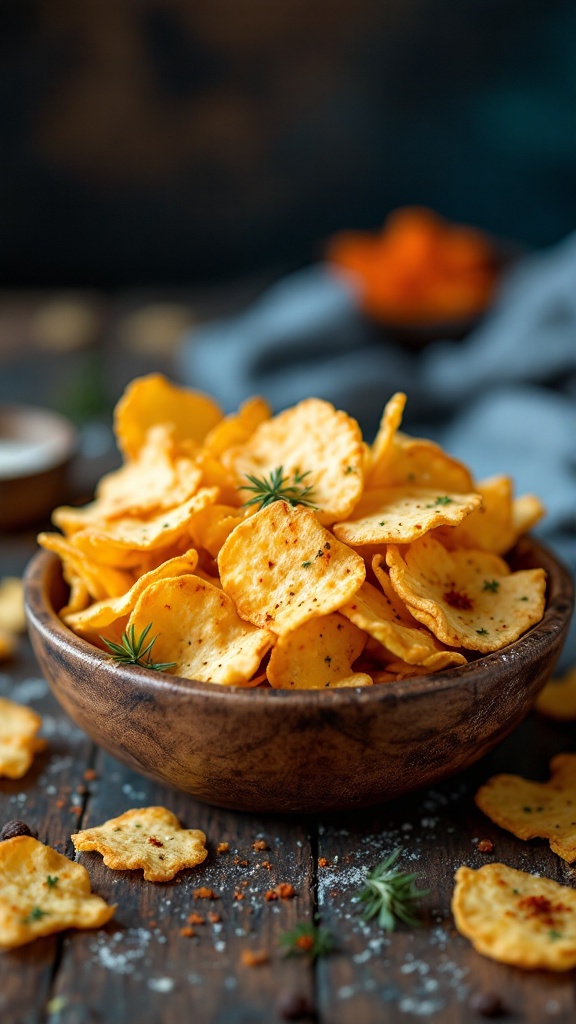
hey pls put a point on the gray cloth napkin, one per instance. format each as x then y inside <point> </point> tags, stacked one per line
<point>503,399</point>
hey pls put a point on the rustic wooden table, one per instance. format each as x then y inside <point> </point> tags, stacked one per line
<point>141,968</point>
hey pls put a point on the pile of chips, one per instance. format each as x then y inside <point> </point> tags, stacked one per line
<point>284,551</point>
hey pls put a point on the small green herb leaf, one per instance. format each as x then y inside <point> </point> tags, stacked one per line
<point>390,895</point>
<point>277,487</point>
<point>131,650</point>
<point>36,914</point>
<point>492,585</point>
<point>51,881</point>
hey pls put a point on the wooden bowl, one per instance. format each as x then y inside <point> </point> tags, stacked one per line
<point>296,751</point>
<point>36,448</point>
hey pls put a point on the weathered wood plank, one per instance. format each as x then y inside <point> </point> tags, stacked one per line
<point>432,971</point>
<point>141,961</point>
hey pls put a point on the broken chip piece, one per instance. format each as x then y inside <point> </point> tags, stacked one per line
<point>516,918</point>
<point>150,838</point>
<point>19,741</point>
<point>536,809</point>
<point>42,892</point>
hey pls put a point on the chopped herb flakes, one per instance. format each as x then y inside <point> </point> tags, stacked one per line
<point>491,585</point>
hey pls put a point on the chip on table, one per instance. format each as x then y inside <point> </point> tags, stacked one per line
<point>516,918</point>
<point>558,698</point>
<point>19,742</point>
<point>150,838</point>
<point>42,892</point>
<point>530,810</point>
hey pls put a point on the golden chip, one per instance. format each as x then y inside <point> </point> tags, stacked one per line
<point>150,838</point>
<point>197,626</point>
<point>238,428</point>
<point>417,462</point>
<point>318,655</point>
<point>12,615</point>
<point>153,399</point>
<point>558,698</point>
<point>466,598</point>
<point>313,441</point>
<point>489,528</point>
<point>79,569</point>
<point>527,510</point>
<point>18,738</point>
<point>282,568</point>
<point>123,542</point>
<point>42,892</point>
<point>8,644</point>
<point>382,446</point>
<point>111,615</point>
<point>373,612</point>
<point>536,809</point>
<point>516,918</point>
<point>210,527</point>
<point>398,515</point>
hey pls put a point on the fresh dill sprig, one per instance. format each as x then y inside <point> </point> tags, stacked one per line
<point>390,895</point>
<point>308,939</point>
<point>131,650</point>
<point>277,487</point>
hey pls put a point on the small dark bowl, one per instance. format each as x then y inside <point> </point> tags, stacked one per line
<point>41,444</point>
<point>296,751</point>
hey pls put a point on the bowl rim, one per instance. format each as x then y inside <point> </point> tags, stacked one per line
<point>43,619</point>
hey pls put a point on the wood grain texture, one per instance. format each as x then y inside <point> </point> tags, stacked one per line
<point>299,752</point>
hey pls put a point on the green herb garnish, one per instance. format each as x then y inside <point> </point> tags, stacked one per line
<point>308,939</point>
<point>276,487</point>
<point>36,914</point>
<point>390,895</point>
<point>131,650</point>
<point>482,632</point>
<point>491,585</point>
<point>51,881</point>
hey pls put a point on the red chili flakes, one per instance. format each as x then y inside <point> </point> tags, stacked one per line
<point>486,846</point>
<point>260,844</point>
<point>187,933</point>
<point>195,919</point>
<point>74,809</point>
<point>60,803</point>
<point>270,895</point>
<point>154,842</point>
<point>285,891</point>
<point>254,957</point>
<point>81,790</point>
<point>90,774</point>
<point>213,917</point>
<point>323,862</point>
<point>266,864</point>
<point>304,942</point>
<point>458,599</point>
<point>238,895</point>
<point>223,848</point>
<point>204,893</point>
<point>542,908</point>
<point>243,863</point>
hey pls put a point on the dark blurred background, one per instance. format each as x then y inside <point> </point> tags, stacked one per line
<point>147,142</point>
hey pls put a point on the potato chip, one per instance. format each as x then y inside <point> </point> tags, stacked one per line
<point>516,918</point>
<point>238,428</point>
<point>157,478</point>
<point>153,399</point>
<point>417,462</point>
<point>18,738</point>
<point>42,892</point>
<point>198,627</point>
<point>466,598</point>
<point>281,568</point>
<point>12,614</point>
<point>123,542</point>
<point>110,616</point>
<point>150,838</point>
<point>536,809</point>
<point>527,510</point>
<point>101,581</point>
<point>398,515</point>
<point>210,527</point>
<point>489,528</point>
<point>312,438</point>
<point>318,655</point>
<point>558,698</point>
<point>404,637</point>
<point>389,424</point>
